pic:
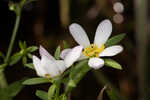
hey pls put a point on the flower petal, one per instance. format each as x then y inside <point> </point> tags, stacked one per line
<point>111,51</point>
<point>61,65</point>
<point>73,56</point>
<point>96,63</point>
<point>103,32</point>
<point>49,66</point>
<point>64,53</point>
<point>79,34</point>
<point>37,65</point>
<point>44,52</point>
<point>82,57</point>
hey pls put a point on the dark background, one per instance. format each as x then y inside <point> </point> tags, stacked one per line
<point>41,24</point>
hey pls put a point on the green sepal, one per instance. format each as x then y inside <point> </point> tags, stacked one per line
<point>51,92</point>
<point>42,94</point>
<point>114,40</point>
<point>35,81</point>
<point>112,63</point>
<point>57,53</point>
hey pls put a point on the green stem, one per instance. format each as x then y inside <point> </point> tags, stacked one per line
<point>3,81</point>
<point>13,37</point>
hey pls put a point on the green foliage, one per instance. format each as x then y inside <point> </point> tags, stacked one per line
<point>2,55</point>
<point>114,40</point>
<point>32,48</point>
<point>11,91</point>
<point>29,65</point>
<point>78,72</point>
<point>23,54</point>
<point>15,58</point>
<point>57,53</point>
<point>42,94</point>
<point>51,92</point>
<point>112,63</point>
<point>66,45</point>
<point>63,97</point>
<point>34,81</point>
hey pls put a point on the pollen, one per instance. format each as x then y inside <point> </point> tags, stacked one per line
<point>93,50</point>
<point>47,76</point>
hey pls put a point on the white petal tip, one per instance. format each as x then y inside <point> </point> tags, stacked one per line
<point>96,63</point>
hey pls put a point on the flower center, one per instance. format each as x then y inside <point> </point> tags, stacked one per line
<point>47,76</point>
<point>93,50</point>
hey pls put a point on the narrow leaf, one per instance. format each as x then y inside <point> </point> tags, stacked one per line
<point>14,88</point>
<point>112,63</point>
<point>21,45</point>
<point>24,60</point>
<point>51,92</point>
<point>32,48</point>
<point>15,58</point>
<point>29,65</point>
<point>29,55</point>
<point>42,94</point>
<point>114,40</point>
<point>77,74</point>
<point>34,81</point>
<point>57,53</point>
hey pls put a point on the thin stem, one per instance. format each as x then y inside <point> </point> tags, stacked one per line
<point>101,79</point>
<point>3,81</point>
<point>13,37</point>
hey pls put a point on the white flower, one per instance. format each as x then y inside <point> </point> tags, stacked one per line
<point>47,66</point>
<point>92,51</point>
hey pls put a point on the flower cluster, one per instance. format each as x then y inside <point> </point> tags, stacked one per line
<point>49,67</point>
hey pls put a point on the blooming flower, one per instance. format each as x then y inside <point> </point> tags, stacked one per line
<point>47,66</point>
<point>92,51</point>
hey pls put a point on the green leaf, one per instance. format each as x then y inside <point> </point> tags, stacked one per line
<point>42,94</point>
<point>24,44</point>
<point>51,92</point>
<point>114,40</point>
<point>21,45</point>
<point>11,91</point>
<point>2,55</point>
<point>77,74</point>
<point>112,63</point>
<point>29,65</point>
<point>24,60</point>
<point>66,45</point>
<point>29,55</point>
<point>2,66</point>
<point>112,95</point>
<point>57,53</point>
<point>14,88</point>
<point>15,58</point>
<point>63,97</point>
<point>34,81</point>
<point>32,48</point>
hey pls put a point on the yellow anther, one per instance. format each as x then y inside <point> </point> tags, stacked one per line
<point>47,76</point>
<point>93,50</point>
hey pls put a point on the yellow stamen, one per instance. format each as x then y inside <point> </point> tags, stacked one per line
<point>47,76</point>
<point>93,50</point>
